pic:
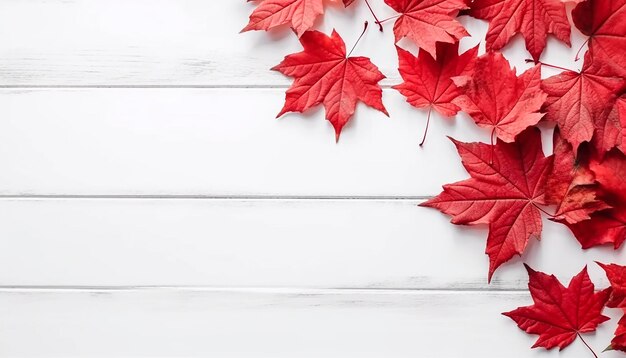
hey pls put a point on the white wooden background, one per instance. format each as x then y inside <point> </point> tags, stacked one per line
<point>151,205</point>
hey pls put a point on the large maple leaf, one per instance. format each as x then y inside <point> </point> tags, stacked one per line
<point>427,81</point>
<point>571,185</point>
<point>534,19</point>
<point>499,100</point>
<point>323,74</point>
<point>506,186</point>
<point>427,22</point>
<point>606,226</point>
<point>560,314</point>
<point>300,14</point>
<point>578,101</point>
<point>604,21</point>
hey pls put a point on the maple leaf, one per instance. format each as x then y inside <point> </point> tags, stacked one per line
<point>505,195</point>
<point>428,83</point>
<point>610,130</point>
<point>603,21</point>
<point>323,74</point>
<point>426,22</point>
<point>499,100</point>
<point>617,277</point>
<point>577,101</point>
<point>571,185</point>
<point>300,14</point>
<point>619,340</point>
<point>534,19</point>
<point>606,226</point>
<point>559,314</point>
<point>347,3</point>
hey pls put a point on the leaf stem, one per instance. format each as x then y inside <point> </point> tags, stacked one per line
<point>580,48</point>
<point>543,211</point>
<point>549,65</point>
<point>430,109</point>
<point>380,27</point>
<point>582,339</point>
<point>359,39</point>
<point>387,19</point>
<point>493,131</point>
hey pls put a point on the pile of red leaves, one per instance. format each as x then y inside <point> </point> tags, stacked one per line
<point>512,183</point>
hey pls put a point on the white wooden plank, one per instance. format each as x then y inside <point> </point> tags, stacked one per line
<point>257,323</point>
<point>223,142</point>
<point>185,42</point>
<point>263,243</point>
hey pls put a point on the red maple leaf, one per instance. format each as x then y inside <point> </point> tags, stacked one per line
<point>300,14</point>
<point>506,186</point>
<point>571,185</point>
<point>611,129</point>
<point>617,277</point>
<point>499,100</point>
<point>559,314</point>
<point>324,74</point>
<point>619,340</point>
<point>577,101</point>
<point>427,22</point>
<point>534,19</point>
<point>428,83</point>
<point>606,226</point>
<point>604,22</point>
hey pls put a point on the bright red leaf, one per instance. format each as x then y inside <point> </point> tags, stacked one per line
<point>534,19</point>
<point>506,186</point>
<point>617,277</point>
<point>604,21</point>
<point>559,314</point>
<point>299,14</point>
<point>426,22</point>
<point>323,74</point>
<point>606,226</point>
<point>428,83</point>
<point>499,100</point>
<point>571,185</point>
<point>577,101</point>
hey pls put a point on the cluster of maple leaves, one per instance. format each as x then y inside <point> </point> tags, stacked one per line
<point>511,181</point>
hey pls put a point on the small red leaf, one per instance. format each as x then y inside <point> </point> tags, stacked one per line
<point>499,100</point>
<point>559,314</point>
<point>534,19</point>
<point>323,74</point>
<point>299,14</point>
<point>426,22</point>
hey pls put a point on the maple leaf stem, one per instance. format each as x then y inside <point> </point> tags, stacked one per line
<point>430,109</point>
<point>580,48</point>
<point>387,19</point>
<point>549,65</point>
<point>380,27</point>
<point>493,131</point>
<point>582,339</point>
<point>359,39</point>
<point>545,212</point>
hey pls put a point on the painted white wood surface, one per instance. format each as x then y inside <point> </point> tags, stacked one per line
<point>184,42</point>
<point>391,244</point>
<point>217,142</point>
<point>258,237</point>
<point>270,323</point>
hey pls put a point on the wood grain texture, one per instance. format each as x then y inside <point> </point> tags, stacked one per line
<point>269,323</point>
<point>391,244</point>
<point>185,43</point>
